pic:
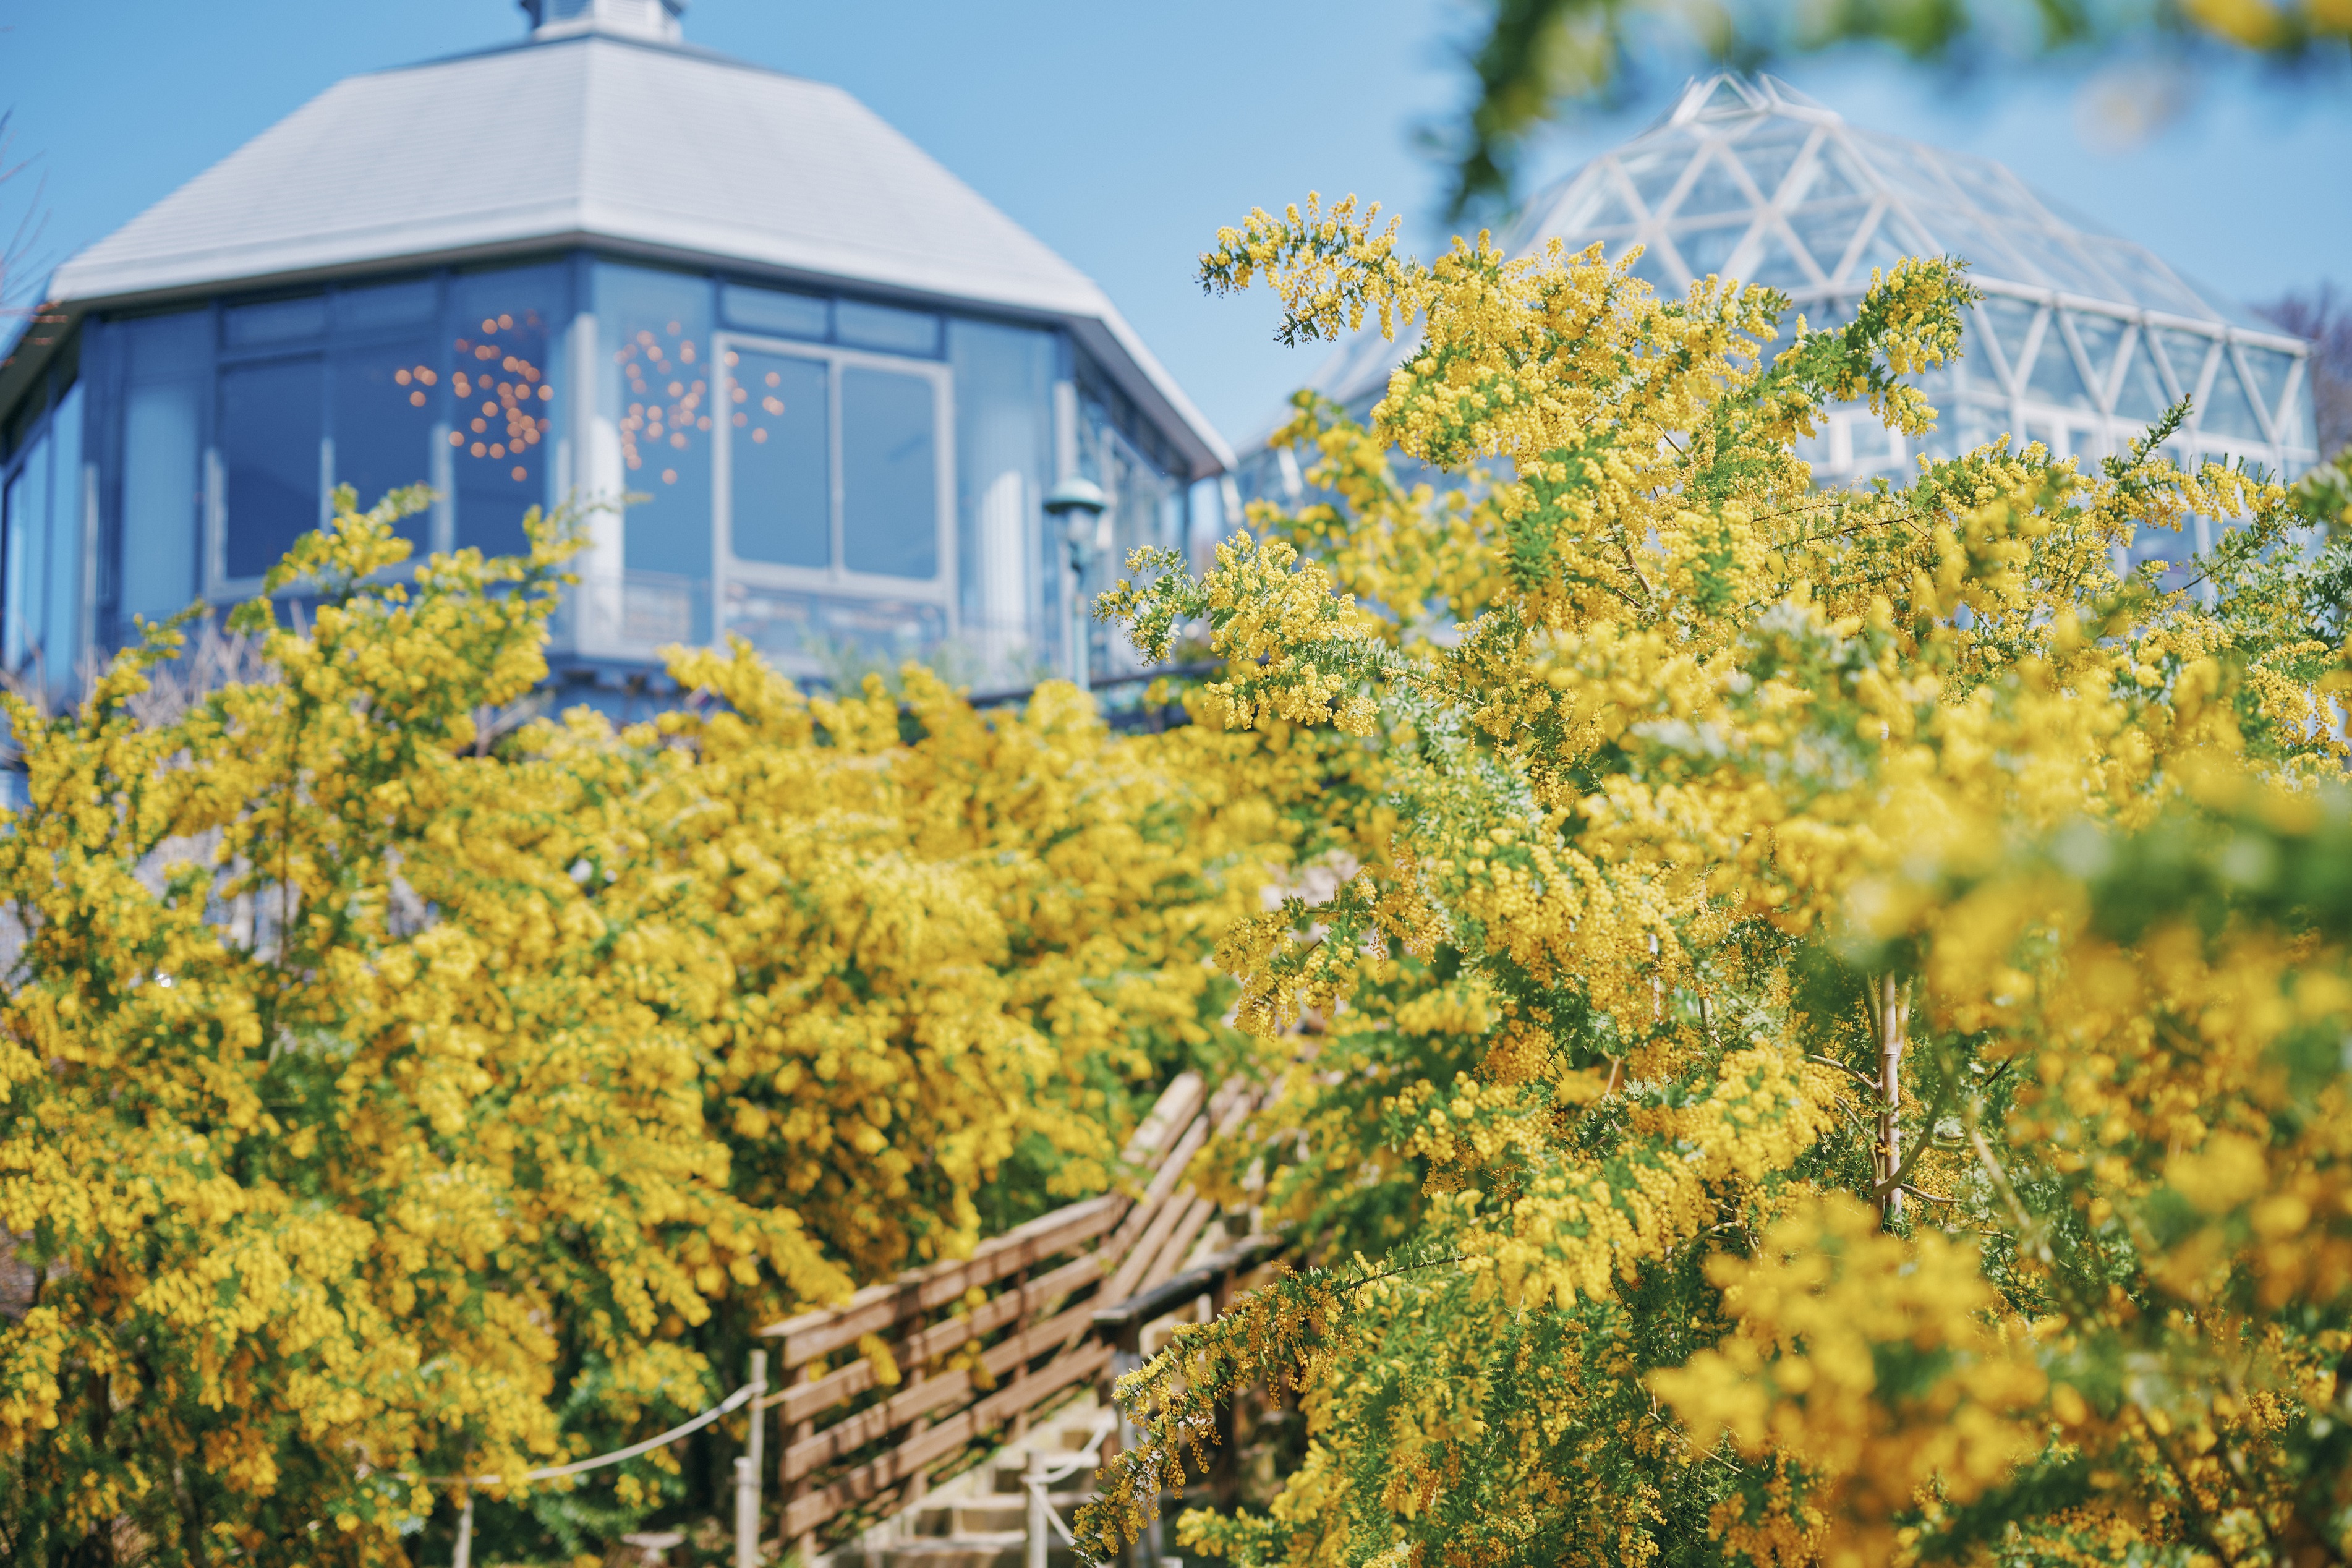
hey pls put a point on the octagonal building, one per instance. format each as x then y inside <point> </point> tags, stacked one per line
<point>832,381</point>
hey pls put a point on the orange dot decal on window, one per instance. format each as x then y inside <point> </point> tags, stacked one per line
<point>734,358</point>
<point>670,476</point>
<point>427,376</point>
<point>455,439</point>
<point>741,420</point>
<point>505,320</point>
<point>677,439</point>
<point>757,435</point>
<point>673,329</point>
<point>703,423</point>
<point>497,450</point>
<point>477,449</point>
<point>479,426</point>
<point>520,473</point>
<point>547,395</point>
<point>401,376</point>
<point>776,380</point>
<point>416,398</point>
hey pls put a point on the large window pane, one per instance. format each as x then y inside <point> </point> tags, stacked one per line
<point>781,501</point>
<point>271,432</point>
<point>889,477</point>
<point>62,621</point>
<point>161,485</point>
<point>386,400</point>
<point>654,331</point>
<point>502,396</point>
<point>1004,456</point>
<point>25,512</point>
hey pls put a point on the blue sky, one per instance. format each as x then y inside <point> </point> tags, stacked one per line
<point>1124,134</point>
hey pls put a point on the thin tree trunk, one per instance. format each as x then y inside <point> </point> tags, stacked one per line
<point>1891,997</point>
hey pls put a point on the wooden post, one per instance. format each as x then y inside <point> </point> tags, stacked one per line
<point>805,1544</point>
<point>746,1471</point>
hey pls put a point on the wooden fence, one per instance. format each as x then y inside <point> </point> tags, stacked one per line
<point>849,1442</point>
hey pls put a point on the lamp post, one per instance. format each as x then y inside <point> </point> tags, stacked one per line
<point>1084,513</point>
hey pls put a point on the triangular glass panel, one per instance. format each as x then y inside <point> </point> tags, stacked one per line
<point>2054,263</point>
<point>1652,173</point>
<point>2008,322</point>
<point>1705,250</point>
<point>2297,426</point>
<point>1903,166</point>
<point>1828,176</point>
<point>1958,234</point>
<point>1613,210</point>
<point>1651,269</point>
<point>1827,231</point>
<point>2141,394</point>
<point>2228,410</point>
<point>2055,378</point>
<point>2100,336</point>
<point>2148,281</point>
<point>1991,188</point>
<point>2184,353</point>
<point>1715,191</point>
<point>1726,98</point>
<point>2265,374</point>
<point>1777,264</point>
<point>1767,158</point>
<point>1878,252</point>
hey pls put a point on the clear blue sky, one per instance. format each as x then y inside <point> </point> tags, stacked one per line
<point>1124,134</point>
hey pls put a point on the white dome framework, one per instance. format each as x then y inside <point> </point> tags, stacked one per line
<point>2081,338</point>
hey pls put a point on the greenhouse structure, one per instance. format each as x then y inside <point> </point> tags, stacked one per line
<point>2081,340</point>
<point>814,388</point>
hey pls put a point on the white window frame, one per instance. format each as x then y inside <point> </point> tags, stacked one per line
<point>836,579</point>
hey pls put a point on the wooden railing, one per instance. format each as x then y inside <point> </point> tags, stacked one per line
<point>849,1442</point>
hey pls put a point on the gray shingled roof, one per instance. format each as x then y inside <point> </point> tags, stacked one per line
<point>654,148</point>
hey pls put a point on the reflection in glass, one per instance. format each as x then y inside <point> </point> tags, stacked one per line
<point>501,403</point>
<point>781,500</point>
<point>383,415</point>
<point>270,431</point>
<point>889,481</point>
<point>653,329</point>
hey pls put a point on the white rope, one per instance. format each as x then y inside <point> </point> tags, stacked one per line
<point>733,1402</point>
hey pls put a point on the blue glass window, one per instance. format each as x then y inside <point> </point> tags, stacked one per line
<point>502,402</point>
<point>782,494</point>
<point>408,304</point>
<point>270,433</point>
<point>886,328</point>
<point>773,310</point>
<point>167,362</point>
<point>890,480</point>
<point>275,321</point>
<point>387,403</point>
<point>653,331</point>
<point>25,514</point>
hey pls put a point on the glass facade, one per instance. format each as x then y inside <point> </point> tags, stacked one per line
<point>845,482</point>
<point>2081,340</point>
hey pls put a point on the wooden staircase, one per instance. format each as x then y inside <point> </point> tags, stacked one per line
<point>1065,1304</point>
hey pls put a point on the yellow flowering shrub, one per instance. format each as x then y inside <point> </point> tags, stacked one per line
<point>1822,1041</point>
<point>377,1102</point>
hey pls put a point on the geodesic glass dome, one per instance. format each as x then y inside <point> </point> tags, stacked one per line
<point>2081,340</point>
